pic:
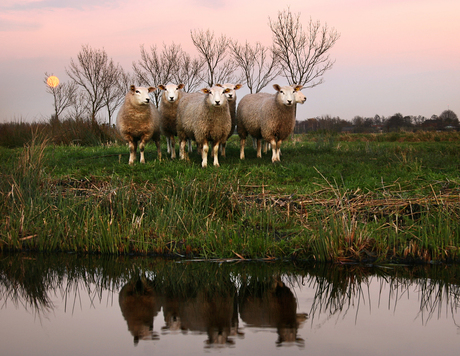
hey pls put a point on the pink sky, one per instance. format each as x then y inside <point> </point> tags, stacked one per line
<point>394,56</point>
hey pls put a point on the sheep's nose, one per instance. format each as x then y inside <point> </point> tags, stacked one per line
<point>217,102</point>
<point>147,100</point>
<point>289,102</point>
<point>171,98</point>
<point>230,96</point>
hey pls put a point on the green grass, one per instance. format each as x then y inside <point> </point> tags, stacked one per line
<point>331,198</point>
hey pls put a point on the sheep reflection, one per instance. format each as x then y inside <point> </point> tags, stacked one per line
<point>139,304</point>
<point>211,309</point>
<point>271,304</point>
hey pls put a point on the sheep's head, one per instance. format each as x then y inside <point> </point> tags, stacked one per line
<point>216,95</point>
<point>231,95</point>
<point>140,95</point>
<point>171,91</point>
<point>299,96</point>
<point>287,94</point>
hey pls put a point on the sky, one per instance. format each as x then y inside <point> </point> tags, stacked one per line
<point>393,56</point>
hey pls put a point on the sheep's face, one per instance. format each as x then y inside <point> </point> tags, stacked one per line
<point>300,97</point>
<point>231,95</point>
<point>287,94</point>
<point>216,95</point>
<point>171,91</point>
<point>140,95</point>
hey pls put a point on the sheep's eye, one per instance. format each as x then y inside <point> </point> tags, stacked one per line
<point>282,92</point>
<point>138,92</point>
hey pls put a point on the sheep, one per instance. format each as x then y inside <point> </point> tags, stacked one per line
<point>267,116</point>
<point>204,118</point>
<point>231,97</point>
<point>300,98</point>
<point>138,121</point>
<point>170,97</point>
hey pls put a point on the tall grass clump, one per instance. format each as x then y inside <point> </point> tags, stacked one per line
<point>68,131</point>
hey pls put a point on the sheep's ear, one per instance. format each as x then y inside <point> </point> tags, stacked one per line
<point>276,87</point>
<point>206,90</point>
<point>238,86</point>
<point>226,90</point>
<point>180,86</point>
<point>162,87</point>
<point>298,87</point>
<point>150,89</point>
<point>132,88</point>
<point>219,85</point>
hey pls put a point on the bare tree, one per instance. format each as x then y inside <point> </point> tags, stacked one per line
<point>303,55</point>
<point>189,72</point>
<point>80,105</point>
<point>96,74</point>
<point>63,95</point>
<point>155,68</point>
<point>258,63</point>
<point>220,69</point>
<point>115,95</point>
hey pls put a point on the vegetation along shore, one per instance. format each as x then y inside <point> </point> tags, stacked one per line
<point>371,198</point>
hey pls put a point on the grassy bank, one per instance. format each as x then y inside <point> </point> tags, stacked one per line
<point>332,198</point>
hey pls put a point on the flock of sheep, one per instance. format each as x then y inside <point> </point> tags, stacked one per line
<point>207,117</point>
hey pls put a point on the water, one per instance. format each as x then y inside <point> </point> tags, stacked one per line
<point>66,305</point>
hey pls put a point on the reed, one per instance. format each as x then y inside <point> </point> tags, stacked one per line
<point>335,201</point>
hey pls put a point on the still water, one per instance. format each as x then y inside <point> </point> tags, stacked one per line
<point>70,305</point>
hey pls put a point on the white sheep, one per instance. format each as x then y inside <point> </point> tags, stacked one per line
<point>231,97</point>
<point>267,116</point>
<point>204,118</point>
<point>138,121</point>
<point>299,98</point>
<point>170,97</point>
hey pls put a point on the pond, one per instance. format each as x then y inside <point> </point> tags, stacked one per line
<point>90,305</point>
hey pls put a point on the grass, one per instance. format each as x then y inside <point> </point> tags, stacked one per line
<point>339,198</point>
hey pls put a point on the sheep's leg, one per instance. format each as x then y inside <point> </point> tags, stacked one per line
<point>274,150</point>
<point>168,144</point>
<point>132,151</point>
<point>204,154</point>
<point>278,150</point>
<point>190,148</point>
<point>266,147</point>
<point>242,143</point>
<point>216,153</point>
<point>182,149</point>
<point>172,142</point>
<point>157,143</point>
<point>141,149</point>
<point>222,151</point>
<point>259,148</point>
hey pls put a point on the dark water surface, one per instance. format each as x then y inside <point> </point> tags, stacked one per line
<point>69,305</point>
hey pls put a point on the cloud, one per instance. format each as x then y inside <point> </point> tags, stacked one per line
<point>56,4</point>
<point>212,4</point>
<point>14,26</point>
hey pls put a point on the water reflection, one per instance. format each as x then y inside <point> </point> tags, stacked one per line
<point>271,304</point>
<point>139,305</point>
<point>229,305</point>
